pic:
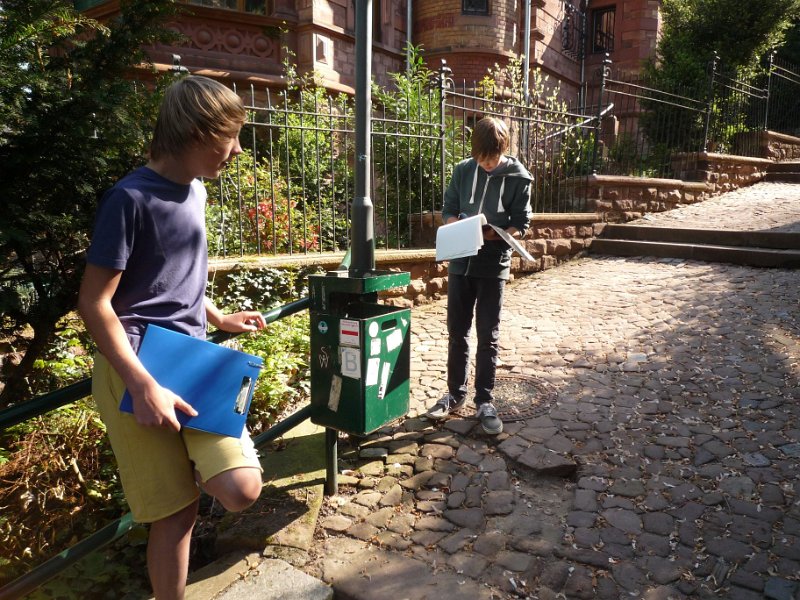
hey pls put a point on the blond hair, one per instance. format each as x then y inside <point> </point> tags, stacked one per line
<point>195,110</point>
<point>489,138</point>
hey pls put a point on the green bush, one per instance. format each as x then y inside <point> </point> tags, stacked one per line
<point>285,379</point>
<point>284,344</point>
<point>250,211</point>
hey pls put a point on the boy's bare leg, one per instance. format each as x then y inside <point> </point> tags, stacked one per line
<point>168,553</point>
<point>236,489</point>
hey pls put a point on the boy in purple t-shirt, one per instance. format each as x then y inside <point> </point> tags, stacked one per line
<point>147,263</point>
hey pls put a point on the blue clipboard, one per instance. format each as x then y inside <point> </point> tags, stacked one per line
<point>217,381</point>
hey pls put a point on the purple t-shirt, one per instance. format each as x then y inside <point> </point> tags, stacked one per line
<point>153,230</point>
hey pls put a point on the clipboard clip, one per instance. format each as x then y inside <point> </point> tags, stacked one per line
<point>255,365</point>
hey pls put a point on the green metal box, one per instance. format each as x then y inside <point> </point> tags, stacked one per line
<point>360,356</point>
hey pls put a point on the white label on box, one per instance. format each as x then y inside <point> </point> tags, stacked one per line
<point>375,346</point>
<point>351,362</point>
<point>393,340</point>
<point>385,369</point>
<point>373,365</point>
<point>336,393</point>
<point>348,333</point>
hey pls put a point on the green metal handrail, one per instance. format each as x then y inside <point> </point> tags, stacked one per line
<point>113,531</point>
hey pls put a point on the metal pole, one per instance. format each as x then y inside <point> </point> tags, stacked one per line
<point>444,74</point>
<point>409,32</point>
<point>527,51</point>
<point>605,73</point>
<point>712,75</point>
<point>281,427</point>
<point>526,81</point>
<point>769,89</point>
<point>582,50</point>
<point>331,462</point>
<point>361,220</point>
<point>44,403</point>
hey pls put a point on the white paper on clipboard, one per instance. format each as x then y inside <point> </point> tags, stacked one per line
<point>515,245</point>
<point>460,238</point>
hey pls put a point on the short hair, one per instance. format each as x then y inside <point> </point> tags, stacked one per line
<point>195,110</point>
<point>489,138</point>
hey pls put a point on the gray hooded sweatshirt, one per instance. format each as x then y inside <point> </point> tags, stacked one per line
<point>503,196</point>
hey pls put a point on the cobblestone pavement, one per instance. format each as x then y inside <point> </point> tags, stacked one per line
<point>665,466</point>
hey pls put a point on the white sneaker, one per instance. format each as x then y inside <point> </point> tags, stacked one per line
<point>444,407</point>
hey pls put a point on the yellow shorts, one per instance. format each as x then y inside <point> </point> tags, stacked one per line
<point>157,465</point>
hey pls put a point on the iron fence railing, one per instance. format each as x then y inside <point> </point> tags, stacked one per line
<point>650,132</point>
<point>654,132</point>
<point>553,142</point>
<point>783,106</point>
<point>737,109</point>
<point>290,192</point>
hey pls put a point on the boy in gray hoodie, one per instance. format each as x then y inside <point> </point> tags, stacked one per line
<point>499,187</point>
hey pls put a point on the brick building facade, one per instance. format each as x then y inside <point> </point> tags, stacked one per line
<point>247,41</point>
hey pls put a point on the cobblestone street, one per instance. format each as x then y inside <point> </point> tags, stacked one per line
<point>664,464</point>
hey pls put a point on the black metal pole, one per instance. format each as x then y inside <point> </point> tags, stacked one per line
<point>712,73</point>
<point>331,462</point>
<point>361,219</point>
<point>605,73</point>
<point>769,88</point>
<point>444,73</point>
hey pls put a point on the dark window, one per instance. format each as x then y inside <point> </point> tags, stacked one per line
<point>259,7</point>
<point>475,7</point>
<point>603,29</point>
<point>377,21</point>
<point>229,4</point>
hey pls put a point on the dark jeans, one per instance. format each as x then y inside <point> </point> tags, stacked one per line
<point>483,297</point>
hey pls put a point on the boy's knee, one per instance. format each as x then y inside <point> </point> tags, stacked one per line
<point>243,496</point>
<point>236,489</point>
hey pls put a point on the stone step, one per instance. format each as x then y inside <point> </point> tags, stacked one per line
<point>787,166</point>
<point>275,579</point>
<point>779,240</point>
<point>784,176</point>
<point>755,257</point>
<point>784,172</point>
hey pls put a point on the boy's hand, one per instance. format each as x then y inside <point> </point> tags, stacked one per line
<point>489,233</point>
<point>246,320</point>
<point>155,407</point>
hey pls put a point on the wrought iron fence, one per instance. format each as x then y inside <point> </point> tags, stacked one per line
<point>650,132</point>
<point>737,109</point>
<point>290,191</point>
<point>783,106</point>
<point>553,142</point>
<point>655,132</point>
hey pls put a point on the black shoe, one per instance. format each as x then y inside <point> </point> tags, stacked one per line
<point>444,407</point>
<point>490,422</point>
